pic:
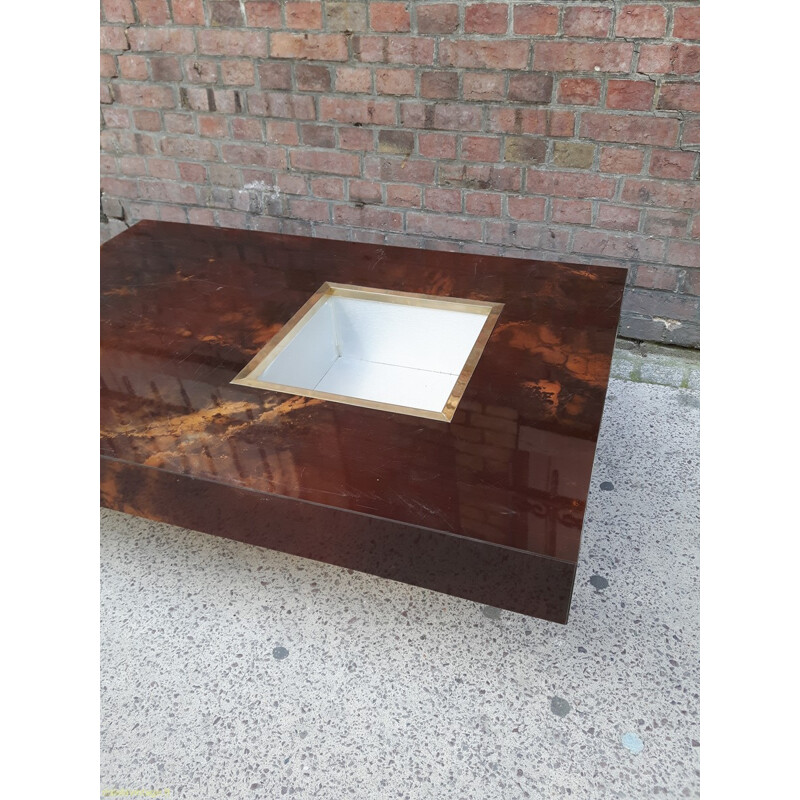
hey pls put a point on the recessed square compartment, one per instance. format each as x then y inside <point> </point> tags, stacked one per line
<point>394,351</point>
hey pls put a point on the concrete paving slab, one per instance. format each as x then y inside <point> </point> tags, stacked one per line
<point>232,671</point>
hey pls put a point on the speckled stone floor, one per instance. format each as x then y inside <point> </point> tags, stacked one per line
<point>234,672</point>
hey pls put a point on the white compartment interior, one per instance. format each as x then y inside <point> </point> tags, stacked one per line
<point>377,350</point>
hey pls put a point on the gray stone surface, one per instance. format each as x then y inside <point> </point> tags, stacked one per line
<point>232,671</point>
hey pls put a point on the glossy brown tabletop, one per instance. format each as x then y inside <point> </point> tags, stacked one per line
<point>489,506</point>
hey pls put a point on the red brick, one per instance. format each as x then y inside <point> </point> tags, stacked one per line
<point>683,254</point>
<point>617,218</point>
<point>318,135</point>
<point>532,120</point>
<point>630,129</point>
<point>108,66</point>
<point>652,277</point>
<point>253,155</point>
<point>189,148</point>
<point>367,112</point>
<point>399,169</point>
<point>394,81</point>
<point>694,228</point>
<point>592,22</point>
<point>132,67</point>
<point>611,246</point>
<point>188,12</point>
<point>579,91</point>
<point>163,168</point>
<point>353,79</point>
<point>623,160</point>
<point>179,123</point>
<point>118,10</point>
<point>116,117</point>
<point>282,132</point>
<point>691,132</point>
<point>247,129</point>
<point>530,209</point>
<point>686,24</point>
<point>437,145</point>
<point>642,22</point>
<point>329,188</point>
<point>232,43</point>
<point>572,212</point>
<point>152,12</point>
<point>666,223</point>
<point>201,70</point>
<point>316,46</point>
<point>536,20</point>
<point>531,88</point>
<point>483,204</point>
<point>484,86</point>
<point>570,184</point>
<point>147,120</point>
<point>147,96</point>
<point>409,50</point>
<point>238,73</point>
<point>445,200</point>
<point>192,173</point>
<point>525,149</point>
<point>480,148</point>
<point>278,104</point>
<point>389,17</point>
<point>663,59</point>
<point>303,208</point>
<point>454,116</point>
<point>439,85</point>
<point>367,217</point>
<point>370,48</point>
<point>112,38</point>
<point>263,15</point>
<point>312,78</point>
<point>161,40</point>
<point>437,18</point>
<point>486,18</point>
<point>274,75</point>
<point>398,194</point>
<point>691,282</point>
<point>660,193</point>
<point>583,56</point>
<point>200,216</point>
<point>364,192</point>
<point>441,226</point>
<point>105,93</point>
<point>167,69</point>
<point>304,15</point>
<point>212,127</point>
<point>325,161</point>
<point>672,164</point>
<point>356,139</point>
<point>505,54</point>
<point>345,16</point>
<point>484,176</point>
<point>633,95</point>
<point>679,97</point>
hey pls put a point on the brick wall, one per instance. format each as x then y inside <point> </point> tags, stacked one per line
<point>558,130</point>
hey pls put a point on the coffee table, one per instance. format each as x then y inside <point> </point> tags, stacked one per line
<point>484,500</point>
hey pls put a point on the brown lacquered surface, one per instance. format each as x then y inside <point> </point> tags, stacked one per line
<point>184,308</point>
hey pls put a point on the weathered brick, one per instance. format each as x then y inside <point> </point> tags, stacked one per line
<point>132,67</point>
<point>353,79</point>
<point>684,254</point>
<point>303,15</point>
<point>316,46</point>
<point>274,75</point>
<point>364,191</point>
<point>657,277</point>
<point>312,78</point>
<point>617,218</point>
<point>679,97</point>
<point>226,13</point>
<point>691,282</point>
<point>306,209</point>
<point>569,184</point>
<point>367,112</point>
<point>152,12</point>
<point>686,22</point>
<point>630,129</point>
<point>188,12</point>
<point>439,85</point>
<point>480,148</point>
<point>394,81</point>
<point>395,142</point>
<point>368,217</point>
<point>444,200</point>
<point>256,155</point>
<point>108,66</point>
<point>282,132</point>
<point>118,10</point>
<point>189,148</point>
<point>179,123</point>
<point>481,176</point>
<point>328,188</point>
<point>592,22</point>
<point>660,193</point>
<point>484,86</point>
<point>247,129</point>
<point>531,209</point>
<point>442,226</point>
<point>201,70</point>
<point>577,155</point>
<point>483,204</point>
<point>571,212</point>
<point>116,117</point>
<point>658,222</point>
<point>409,50</point>
<point>161,40</point>
<point>632,95</point>
<point>437,18</point>
<point>536,20</point>
<point>690,135</point>
<point>166,69</point>
<point>672,164</point>
<point>263,15</point>
<point>232,43</point>
<point>583,56</point>
<point>356,138</point>
<point>238,73</point>
<point>213,127</point>
<point>486,18</point>
<point>147,120</point>
<point>455,116</point>
<point>664,59</point>
<point>622,160</point>
<point>346,16</point>
<point>531,88</point>
<point>530,120</point>
<point>162,168</point>
<point>506,54</point>
<point>642,22</point>
<point>113,38</point>
<point>437,145</point>
<point>145,96</point>
<point>318,135</point>
<point>608,245</point>
<point>525,149</point>
<point>325,161</point>
<point>406,170</point>
<point>389,17</point>
<point>579,91</point>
